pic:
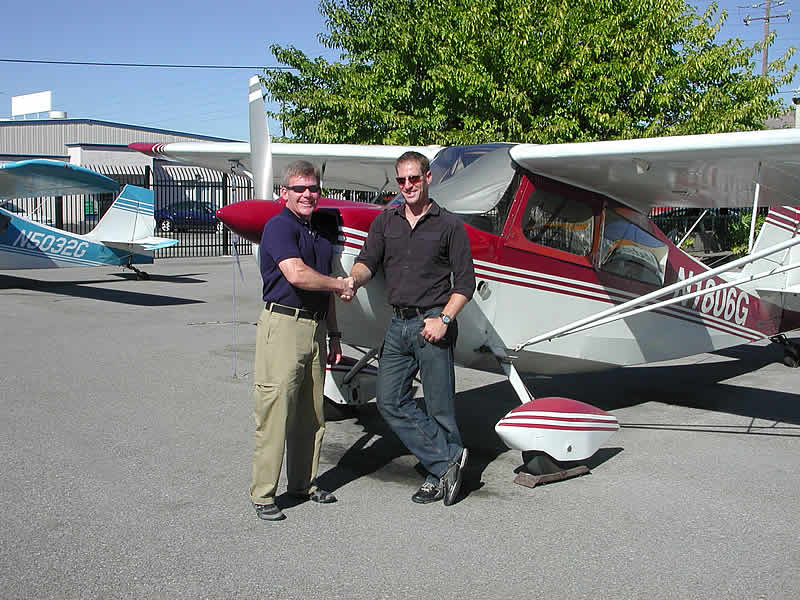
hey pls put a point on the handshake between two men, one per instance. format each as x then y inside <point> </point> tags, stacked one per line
<point>348,291</point>
<point>359,275</point>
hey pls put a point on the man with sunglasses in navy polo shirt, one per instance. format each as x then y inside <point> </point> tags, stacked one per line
<point>299,309</point>
<point>419,245</point>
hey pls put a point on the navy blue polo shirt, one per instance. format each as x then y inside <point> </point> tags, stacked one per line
<point>287,236</point>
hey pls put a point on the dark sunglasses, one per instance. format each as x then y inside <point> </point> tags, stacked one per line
<point>412,179</point>
<point>299,189</point>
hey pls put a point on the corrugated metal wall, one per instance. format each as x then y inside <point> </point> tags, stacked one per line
<point>49,137</point>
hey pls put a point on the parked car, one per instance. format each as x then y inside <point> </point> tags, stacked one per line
<point>187,215</point>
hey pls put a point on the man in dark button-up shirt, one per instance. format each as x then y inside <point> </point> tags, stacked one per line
<point>419,245</point>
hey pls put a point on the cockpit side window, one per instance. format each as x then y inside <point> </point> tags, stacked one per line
<point>629,251</point>
<point>553,220</point>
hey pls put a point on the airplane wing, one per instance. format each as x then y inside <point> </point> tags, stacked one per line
<point>40,177</point>
<point>343,166</point>
<point>702,171</point>
<point>698,171</point>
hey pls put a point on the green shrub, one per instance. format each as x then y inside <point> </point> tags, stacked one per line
<point>739,231</point>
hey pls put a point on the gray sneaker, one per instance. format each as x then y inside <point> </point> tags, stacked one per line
<point>269,512</point>
<point>428,492</point>
<point>451,480</point>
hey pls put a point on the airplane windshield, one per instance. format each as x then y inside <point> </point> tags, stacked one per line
<point>451,160</point>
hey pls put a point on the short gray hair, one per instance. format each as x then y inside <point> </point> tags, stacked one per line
<point>299,168</point>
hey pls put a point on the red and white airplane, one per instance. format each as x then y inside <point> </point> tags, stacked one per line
<point>571,274</point>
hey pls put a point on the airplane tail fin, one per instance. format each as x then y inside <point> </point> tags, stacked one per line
<point>260,144</point>
<point>129,218</point>
<point>781,224</point>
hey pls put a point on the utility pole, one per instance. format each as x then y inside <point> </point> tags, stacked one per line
<point>767,4</point>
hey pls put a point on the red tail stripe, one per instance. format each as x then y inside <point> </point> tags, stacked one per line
<point>786,211</point>
<point>611,426</point>
<point>567,419</point>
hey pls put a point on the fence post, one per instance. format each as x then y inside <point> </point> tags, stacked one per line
<point>225,231</point>
<point>59,212</point>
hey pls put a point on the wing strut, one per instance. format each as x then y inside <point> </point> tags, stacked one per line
<point>596,319</point>
<point>683,298</point>
<point>755,208</point>
<point>691,229</point>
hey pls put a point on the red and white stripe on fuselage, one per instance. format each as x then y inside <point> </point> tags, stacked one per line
<point>547,290</point>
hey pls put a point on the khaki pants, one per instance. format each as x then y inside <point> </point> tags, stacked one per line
<point>288,404</point>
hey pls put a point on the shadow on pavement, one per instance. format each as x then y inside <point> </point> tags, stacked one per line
<point>182,278</point>
<point>83,289</point>
<point>701,385</point>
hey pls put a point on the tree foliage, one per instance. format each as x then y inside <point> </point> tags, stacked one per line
<point>474,71</point>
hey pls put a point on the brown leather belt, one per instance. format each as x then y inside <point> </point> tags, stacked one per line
<point>290,311</point>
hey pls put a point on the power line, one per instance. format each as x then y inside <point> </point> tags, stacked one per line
<point>144,65</point>
<point>767,19</point>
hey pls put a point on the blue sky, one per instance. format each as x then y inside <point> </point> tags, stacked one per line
<point>209,102</point>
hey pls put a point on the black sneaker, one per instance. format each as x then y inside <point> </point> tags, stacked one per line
<point>318,495</point>
<point>427,493</point>
<point>269,512</point>
<point>451,480</point>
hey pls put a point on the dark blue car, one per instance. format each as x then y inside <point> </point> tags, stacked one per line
<point>187,215</point>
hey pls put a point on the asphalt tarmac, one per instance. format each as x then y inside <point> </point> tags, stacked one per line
<point>126,445</point>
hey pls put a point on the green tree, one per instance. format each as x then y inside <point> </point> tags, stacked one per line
<point>473,71</point>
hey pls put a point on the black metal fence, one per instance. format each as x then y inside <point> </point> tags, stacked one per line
<point>717,231</point>
<point>185,200</point>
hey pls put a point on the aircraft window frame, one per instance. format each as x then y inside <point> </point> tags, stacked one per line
<point>514,237</point>
<point>550,228</point>
<point>633,252</point>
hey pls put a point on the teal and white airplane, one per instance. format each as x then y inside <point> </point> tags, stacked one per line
<point>123,237</point>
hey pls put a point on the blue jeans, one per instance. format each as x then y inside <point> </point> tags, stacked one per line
<point>431,435</point>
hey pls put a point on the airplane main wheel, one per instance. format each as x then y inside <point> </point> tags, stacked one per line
<point>166,225</point>
<point>790,359</point>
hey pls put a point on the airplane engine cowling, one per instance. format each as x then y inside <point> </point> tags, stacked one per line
<point>563,428</point>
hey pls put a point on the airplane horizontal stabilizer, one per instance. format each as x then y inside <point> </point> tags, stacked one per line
<point>788,298</point>
<point>148,243</point>
<point>781,223</point>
